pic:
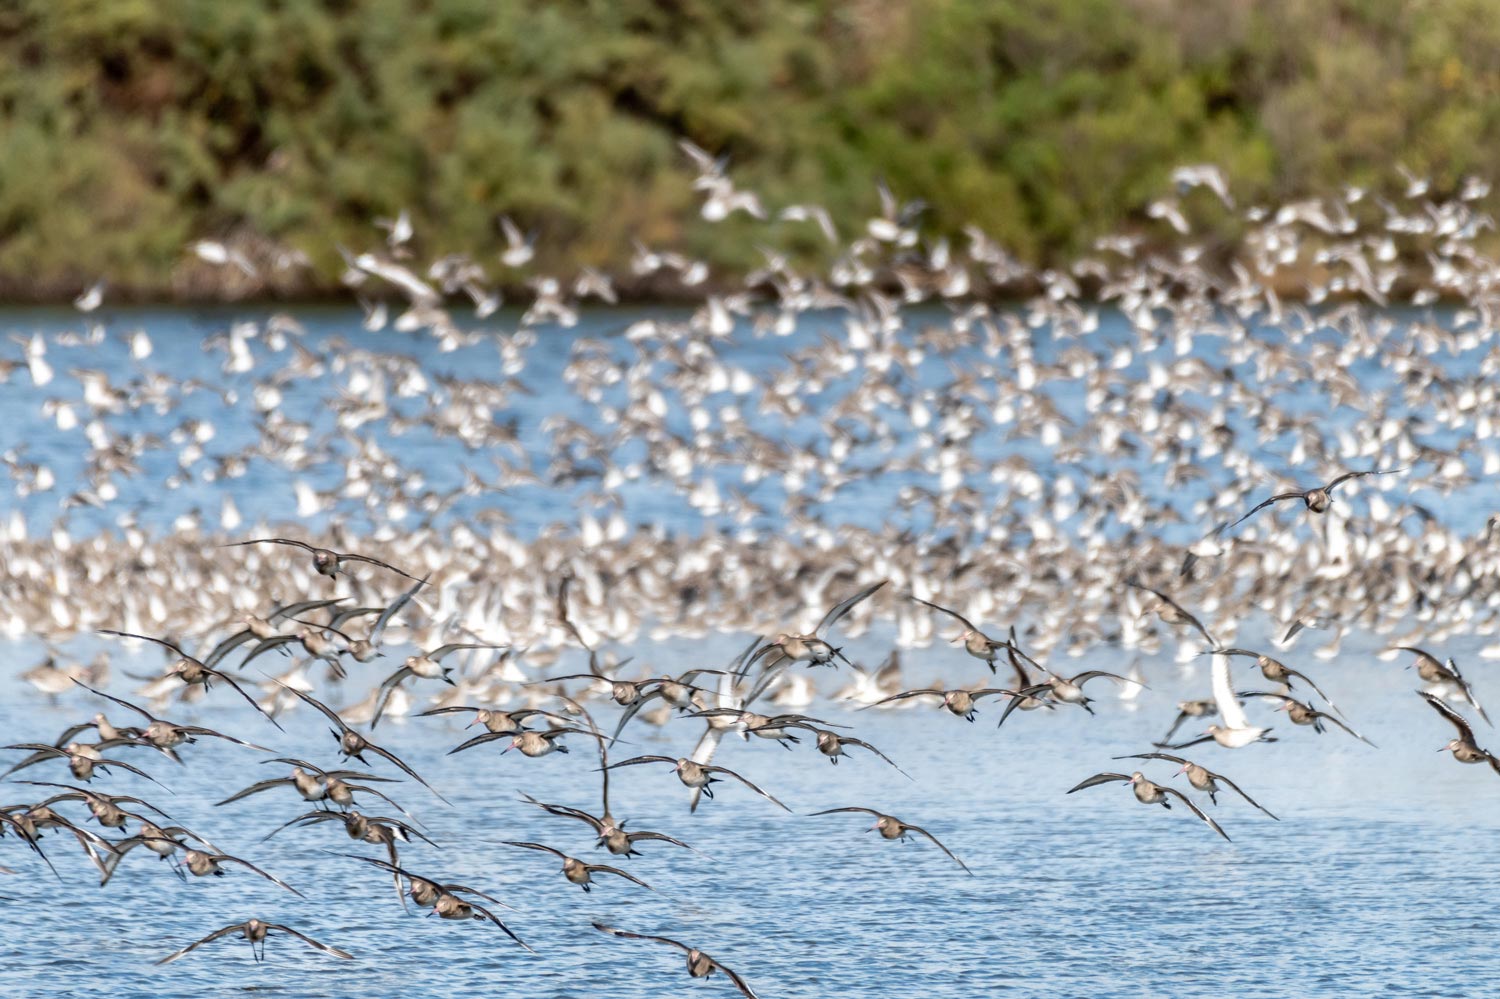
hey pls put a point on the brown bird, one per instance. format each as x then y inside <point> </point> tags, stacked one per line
<point>891,827</point>
<point>1148,793</point>
<point>443,898</point>
<point>976,643</point>
<point>1274,670</point>
<point>811,647</point>
<point>958,702</point>
<point>698,776</point>
<point>1317,499</point>
<point>353,744</point>
<point>190,671</point>
<point>576,871</point>
<point>1434,672</point>
<point>699,964</point>
<point>325,561</point>
<point>1200,777</point>
<point>1464,749</point>
<point>164,734</point>
<point>1171,612</point>
<point>1304,714</point>
<point>255,931</point>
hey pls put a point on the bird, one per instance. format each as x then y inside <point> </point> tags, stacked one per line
<point>976,643</point>
<point>428,666</point>
<point>1148,793</point>
<point>528,742</point>
<point>1463,748</point>
<point>1433,672</point>
<point>442,898</point>
<point>1274,670</point>
<point>811,647</point>
<point>1171,612</point>
<point>958,702</point>
<point>1203,708</point>
<point>164,734</point>
<point>1236,732</point>
<point>315,784</point>
<point>1317,499</point>
<point>1200,777</point>
<point>353,744</point>
<point>576,871</point>
<point>326,562</point>
<point>891,827</point>
<point>698,776</point>
<point>190,671</point>
<point>256,931</point>
<point>1068,690</point>
<point>699,964</point>
<point>1304,714</point>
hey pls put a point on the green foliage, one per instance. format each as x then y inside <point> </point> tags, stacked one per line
<point>131,127</point>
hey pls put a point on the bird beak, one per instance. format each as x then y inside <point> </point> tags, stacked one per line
<point>1442,749</point>
<point>1181,770</point>
<point>955,641</point>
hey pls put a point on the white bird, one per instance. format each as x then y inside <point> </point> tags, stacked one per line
<point>91,299</point>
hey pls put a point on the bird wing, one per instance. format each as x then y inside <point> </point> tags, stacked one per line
<point>146,638</point>
<point>602,928</point>
<point>951,613</point>
<point>1087,675</point>
<point>255,788</point>
<point>535,846</point>
<point>481,739</point>
<point>1464,731</point>
<point>1323,716</point>
<point>214,733</point>
<point>899,697</point>
<point>763,793</point>
<point>394,608</point>
<point>387,754</point>
<point>1151,756</point>
<point>216,934</point>
<point>1020,696</point>
<point>1223,687</point>
<point>615,870</point>
<point>242,692</point>
<point>272,541</point>
<point>301,607</point>
<point>350,557</point>
<point>327,712</point>
<point>1236,789</point>
<point>734,977</point>
<point>849,741</point>
<point>387,688</point>
<point>487,914</point>
<point>437,654</point>
<point>1099,779</point>
<point>847,808</point>
<point>310,941</point>
<point>274,642</point>
<point>663,837</point>
<point>269,877</point>
<point>1196,810</point>
<point>919,830</point>
<point>1257,508</point>
<point>843,607</point>
<point>641,759</point>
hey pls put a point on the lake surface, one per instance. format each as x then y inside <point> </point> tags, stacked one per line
<point>1381,876</point>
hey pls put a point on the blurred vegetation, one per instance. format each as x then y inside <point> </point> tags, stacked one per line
<point>132,127</point>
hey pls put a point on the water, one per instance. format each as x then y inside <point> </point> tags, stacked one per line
<point>1377,873</point>
<point>1380,876</point>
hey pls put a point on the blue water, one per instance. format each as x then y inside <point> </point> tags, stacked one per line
<point>1380,878</point>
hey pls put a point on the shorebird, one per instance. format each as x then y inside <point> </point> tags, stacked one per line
<point>443,898</point>
<point>610,834</point>
<point>353,744</point>
<point>699,964</point>
<point>1068,690</point>
<point>958,702</point>
<point>1200,777</point>
<point>1463,748</point>
<point>976,643</point>
<point>164,734</point>
<point>576,871</point>
<point>1304,714</point>
<point>255,931</point>
<point>326,562</point>
<point>1317,499</point>
<point>190,671</point>
<point>315,784</point>
<point>373,829</point>
<point>1171,612</point>
<point>428,666</point>
<point>83,760</point>
<point>105,808</point>
<point>1148,793</point>
<point>202,864</point>
<point>1205,708</point>
<point>528,742</point>
<point>1433,672</point>
<point>698,776</point>
<point>811,647</point>
<point>1274,670</point>
<point>496,720</point>
<point>891,827</point>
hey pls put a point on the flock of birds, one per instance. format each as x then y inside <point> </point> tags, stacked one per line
<point>872,443</point>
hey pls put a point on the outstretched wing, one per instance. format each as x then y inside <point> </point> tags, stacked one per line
<point>923,832</point>
<point>1196,810</point>
<point>1099,779</point>
<point>843,607</point>
<point>216,934</point>
<point>968,625</point>
<point>760,791</point>
<point>310,941</point>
